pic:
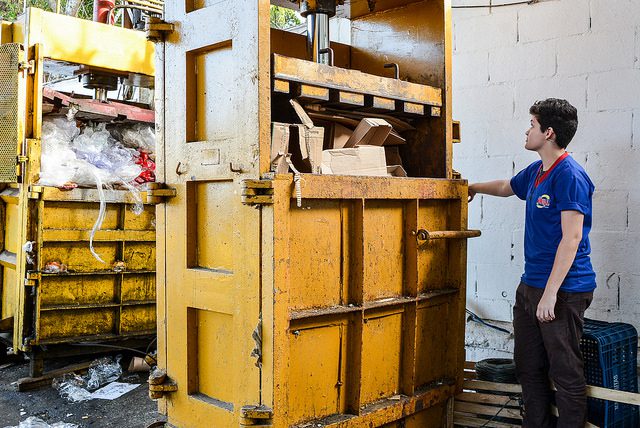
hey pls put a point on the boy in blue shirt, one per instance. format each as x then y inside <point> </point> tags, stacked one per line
<point>558,281</point>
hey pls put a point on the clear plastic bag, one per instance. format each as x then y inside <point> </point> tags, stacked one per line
<point>139,136</point>
<point>77,388</point>
<point>34,422</point>
<point>104,371</point>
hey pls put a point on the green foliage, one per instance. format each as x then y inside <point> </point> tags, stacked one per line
<point>283,18</point>
<point>10,9</point>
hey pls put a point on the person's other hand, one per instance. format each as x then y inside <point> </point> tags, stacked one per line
<point>472,192</point>
<point>546,308</point>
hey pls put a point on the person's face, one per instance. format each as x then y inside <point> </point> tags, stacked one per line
<point>536,138</point>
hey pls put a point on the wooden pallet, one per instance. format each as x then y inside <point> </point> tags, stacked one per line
<point>481,400</point>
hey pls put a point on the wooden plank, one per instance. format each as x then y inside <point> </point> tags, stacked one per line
<point>31,383</point>
<point>613,395</point>
<point>492,386</point>
<point>478,397</point>
<point>466,420</point>
<point>481,409</point>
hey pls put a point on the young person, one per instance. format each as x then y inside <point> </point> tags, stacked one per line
<point>558,281</point>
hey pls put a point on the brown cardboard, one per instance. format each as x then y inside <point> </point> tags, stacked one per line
<point>361,160</point>
<point>311,140</point>
<point>341,135</point>
<point>369,132</point>
<point>280,135</point>
<point>396,171</point>
<point>392,155</point>
<point>394,139</point>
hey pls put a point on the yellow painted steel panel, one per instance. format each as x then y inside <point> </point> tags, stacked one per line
<point>70,215</point>
<point>76,323</point>
<point>210,238</point>
<point>433,256</point>
<point>8,293</point>
<point>315,372</point>
<point>77,289</point>
<point>126,50</point>
<point>140,255</point>
<point>210,106</point>
<point>210,352</point>
<point>381,356</point>
<point>78,257</point>
<point>433,342</point>
<point>316,242</point>
<point>146,220</point>
<point>138,287</point>
<point>137,319</point>
<point>384,231</point>
<point>12,228</point>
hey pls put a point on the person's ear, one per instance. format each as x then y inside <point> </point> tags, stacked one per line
<point>550,134</point>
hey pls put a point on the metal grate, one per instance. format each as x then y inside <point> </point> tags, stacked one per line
<point>9,59</point>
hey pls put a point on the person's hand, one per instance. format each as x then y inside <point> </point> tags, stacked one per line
<point>546,307</point>
<point>472,192</point>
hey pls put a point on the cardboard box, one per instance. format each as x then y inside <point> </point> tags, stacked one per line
<point>361,160</point>
<point>341,135</point>
<point>396,171</point>
<point>280,134</point>
<point>311,138</point>
<point>369,132</point>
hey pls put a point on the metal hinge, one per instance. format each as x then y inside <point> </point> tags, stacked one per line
<point>20,161</point>
<point>157,29</point>
<point>256,416</point>
<point>157,196</point>
<point>32,279</point>
<point>257,192</point>
<point>160,384</point>
<point>30,66</point>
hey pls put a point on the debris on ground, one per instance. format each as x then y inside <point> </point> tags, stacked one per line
<point>76,388</point>
<point>34,422</point>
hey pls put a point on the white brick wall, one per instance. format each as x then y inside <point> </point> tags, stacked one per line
<point>587,51</point>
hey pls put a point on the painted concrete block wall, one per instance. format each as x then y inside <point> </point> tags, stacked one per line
<point>587,51</point>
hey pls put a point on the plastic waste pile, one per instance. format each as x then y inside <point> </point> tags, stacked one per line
<point>99,156</point>
<point>95,154</point>
<point>76,388</point>
<point>34,422</point>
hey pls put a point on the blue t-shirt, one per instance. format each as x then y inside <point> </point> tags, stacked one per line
<point>566,186</point>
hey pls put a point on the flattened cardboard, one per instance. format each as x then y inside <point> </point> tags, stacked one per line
<point>341,135</point>
<point>311,140</point>
<point>394,139</point>
<point>361,160</point>
<point>396,171</point>
<point>280,135</point>
<point>369,132</point>
<point>392,155</point>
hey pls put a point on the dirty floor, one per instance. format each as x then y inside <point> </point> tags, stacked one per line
<point>133,409</point>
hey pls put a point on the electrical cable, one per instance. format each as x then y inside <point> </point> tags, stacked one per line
<point>513,398</point>
<point>102,345</point>
<point>479,6</point>
<point>476,318</point>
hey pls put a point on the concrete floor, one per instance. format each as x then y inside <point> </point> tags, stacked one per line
<point>133,409</point>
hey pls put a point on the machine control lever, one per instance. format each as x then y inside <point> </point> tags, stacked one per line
<point>425,235</point>
<point>396,68</point>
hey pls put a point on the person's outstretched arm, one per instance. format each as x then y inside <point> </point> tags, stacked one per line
<point>494,188</point>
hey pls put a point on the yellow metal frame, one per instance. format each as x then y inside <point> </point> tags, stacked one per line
<point>66,38</point>
<point>47,35</point>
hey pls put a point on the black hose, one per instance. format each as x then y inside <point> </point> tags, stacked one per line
<point>476,318</point>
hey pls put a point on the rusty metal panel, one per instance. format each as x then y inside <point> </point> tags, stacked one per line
<point>10,118</point>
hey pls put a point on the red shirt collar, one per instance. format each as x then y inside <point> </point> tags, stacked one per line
<point>541,178</point>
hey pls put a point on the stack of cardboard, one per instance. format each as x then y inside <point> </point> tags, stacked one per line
<point>370,149</point>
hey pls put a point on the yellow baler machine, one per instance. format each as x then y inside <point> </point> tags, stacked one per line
<point>307,300</point>
<point>92,302</point>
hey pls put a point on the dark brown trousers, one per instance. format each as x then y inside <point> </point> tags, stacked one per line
<point>550,350</point>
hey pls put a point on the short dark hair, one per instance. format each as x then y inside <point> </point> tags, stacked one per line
<point>559,115</point>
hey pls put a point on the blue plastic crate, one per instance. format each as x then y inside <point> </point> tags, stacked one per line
<point>610,360</point>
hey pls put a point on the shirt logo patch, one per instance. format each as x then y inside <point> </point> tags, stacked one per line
<point>543,201</point>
